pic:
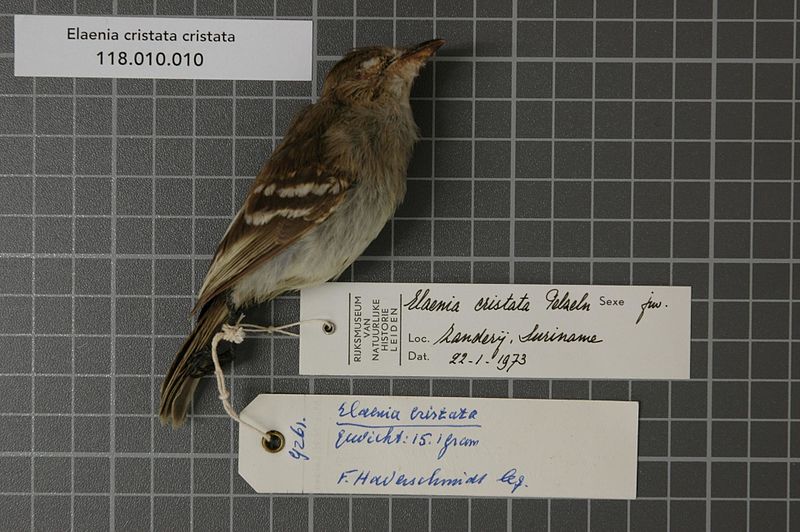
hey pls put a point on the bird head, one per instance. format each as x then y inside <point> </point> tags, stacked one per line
<point>377,73</point>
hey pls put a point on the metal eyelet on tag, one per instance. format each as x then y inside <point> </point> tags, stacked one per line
<point>328,327</point>
<point>275,442</point>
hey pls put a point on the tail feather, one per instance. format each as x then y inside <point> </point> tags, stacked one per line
<point>181,401</point>
<point>192,362</point>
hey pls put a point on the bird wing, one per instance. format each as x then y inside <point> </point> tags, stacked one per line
<point>287,200</point>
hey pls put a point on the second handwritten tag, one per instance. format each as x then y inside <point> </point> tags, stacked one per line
<point>456,446</point>
<point>507,331</point>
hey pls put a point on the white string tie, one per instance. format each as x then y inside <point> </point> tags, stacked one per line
<point>236,334</point>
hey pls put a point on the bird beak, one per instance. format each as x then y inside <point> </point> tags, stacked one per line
<point>420,53</point>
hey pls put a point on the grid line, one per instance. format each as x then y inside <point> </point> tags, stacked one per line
<point>712,206</point>
<point>113,314</point>
<point>153,371</point>
<point>33,311</point>
<point>792,279</point>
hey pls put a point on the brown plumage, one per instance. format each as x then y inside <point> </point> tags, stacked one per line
<point>322,197</point>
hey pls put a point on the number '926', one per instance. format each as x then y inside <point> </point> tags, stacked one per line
<point>176,59</point>
<point>502,362</point>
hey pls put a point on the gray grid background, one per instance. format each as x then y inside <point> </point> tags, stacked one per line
<point>567,141</point>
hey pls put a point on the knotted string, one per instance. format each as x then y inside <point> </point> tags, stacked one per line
<point>235,334</point>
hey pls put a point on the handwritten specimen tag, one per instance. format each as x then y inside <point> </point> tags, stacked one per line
<point>172,48</point>
<point>442,446</point>
<point>462,330</point>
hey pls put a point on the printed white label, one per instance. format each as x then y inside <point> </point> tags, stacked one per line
<point>508,331</point>
<point>172,48</point>
<point>442,446</point>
